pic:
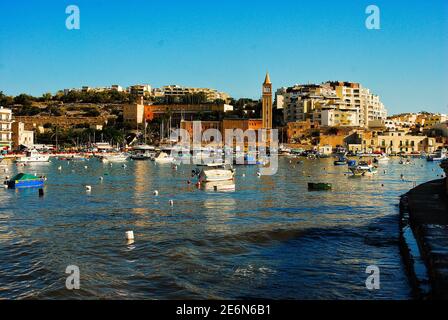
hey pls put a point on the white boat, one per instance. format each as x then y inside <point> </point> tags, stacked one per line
<point>214,172</point>
<point>404,161</point>
<point>114,158</point>
<point>363,169</point>
<point>220,186</point>
<point>33,156</point>
<point>438,156</point>
<point>163,157</point>
<point>382,159</point>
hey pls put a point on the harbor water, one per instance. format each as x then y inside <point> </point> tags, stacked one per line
<point>269,238</point>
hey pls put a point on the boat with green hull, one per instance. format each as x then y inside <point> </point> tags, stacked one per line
<point>320,186</point>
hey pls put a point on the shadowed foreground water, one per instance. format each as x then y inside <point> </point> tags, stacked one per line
<point>271,238</point>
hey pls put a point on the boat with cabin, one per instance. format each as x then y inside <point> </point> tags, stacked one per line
<point>439,155</point>
<point>163,157</point>
<point>381,159</point>
<point>214,172</point>
<point>33,156</point>
<point>120,157</point>
<point>142,152</point>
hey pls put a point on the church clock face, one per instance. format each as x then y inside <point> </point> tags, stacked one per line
<point>267,90</point>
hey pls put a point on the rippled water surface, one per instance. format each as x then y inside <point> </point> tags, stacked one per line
<point>270,238</point>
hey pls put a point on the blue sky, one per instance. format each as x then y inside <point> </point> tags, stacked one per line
<point>229,45</point>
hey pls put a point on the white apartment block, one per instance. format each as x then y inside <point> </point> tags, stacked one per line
<point>331,104</point>
<point>178,91</point>
<point>5,128</point>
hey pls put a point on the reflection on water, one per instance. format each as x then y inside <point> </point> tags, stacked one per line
<point>268,237</point>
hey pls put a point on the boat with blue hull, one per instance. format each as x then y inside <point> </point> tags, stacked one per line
<point>24,180</point>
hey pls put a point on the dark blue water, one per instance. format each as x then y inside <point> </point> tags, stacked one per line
<point>270,238</point>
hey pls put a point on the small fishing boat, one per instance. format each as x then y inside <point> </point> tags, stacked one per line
<point>163,157</point>
<point>214,172</point>
<point>320,186</point>
<point>33,156</point>
<point>24,180</point>
<point>363,169</point>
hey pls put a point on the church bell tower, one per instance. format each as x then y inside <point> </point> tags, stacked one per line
<point>267,103</point>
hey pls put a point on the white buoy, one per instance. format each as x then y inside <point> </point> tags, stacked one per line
<point>88,188</point>
<point>101,178</point>
<point>129,235</point>
<point>85,167</point>
<point>258,174</point>
<point>156,193</point>
<point>60,168</point>
<point>243,175</point>
<point>124,166</point>
<point>171,203</point>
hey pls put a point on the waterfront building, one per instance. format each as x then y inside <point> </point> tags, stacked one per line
<point>267,103</point>
<point>179,112</point>
<point>222,126</point>
<point>297,129</point>
<point>398,142</point>
<point>134,114</point>
<point>22,137</point>
<point>5,128</point>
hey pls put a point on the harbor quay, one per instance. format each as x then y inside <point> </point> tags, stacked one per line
<point>424,210</point>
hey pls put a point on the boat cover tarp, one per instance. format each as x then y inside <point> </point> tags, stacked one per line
<point>24,176</point>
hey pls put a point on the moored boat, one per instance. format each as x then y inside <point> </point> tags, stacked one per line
<point>163,157</point>
<point>114,158</point>
<point>33,156</point>
<point>214,172</point>
<point>381,159</point>
<point>362,169</point>
<point>24,180</point>
<point>440,155</point>
<point>320,186</point>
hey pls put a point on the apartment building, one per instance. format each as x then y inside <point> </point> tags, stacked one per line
<point>331,104</point>
<point>140,89</point>
<point>178,91</point>
<point>5,128</point>
<point>20,136</point>
<point>369,105</point>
